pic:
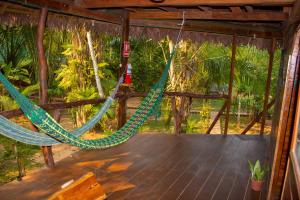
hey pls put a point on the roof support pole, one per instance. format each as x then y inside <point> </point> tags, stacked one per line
<point>233,52</point>
<point>124,61</point>
<point>268,86</point>
<point>47,150</point>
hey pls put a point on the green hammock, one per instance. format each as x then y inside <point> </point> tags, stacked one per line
<point>47,124</point>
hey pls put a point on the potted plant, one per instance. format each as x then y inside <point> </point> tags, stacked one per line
<point>257,175</point>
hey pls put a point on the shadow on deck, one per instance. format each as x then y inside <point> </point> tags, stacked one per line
<point>157,167</point>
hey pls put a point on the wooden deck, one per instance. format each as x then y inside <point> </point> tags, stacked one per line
<point>157,167</point>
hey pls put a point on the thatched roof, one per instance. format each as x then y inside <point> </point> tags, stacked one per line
<point>16,15</point>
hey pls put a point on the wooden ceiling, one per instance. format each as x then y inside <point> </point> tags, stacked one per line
<point>225,10</point>
<point>261,17</point>
<point>185,3</point>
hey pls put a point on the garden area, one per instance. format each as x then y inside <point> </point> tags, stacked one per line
<point>201,68</point>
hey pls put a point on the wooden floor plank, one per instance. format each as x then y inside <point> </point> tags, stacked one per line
<point>217,175</point>
<point>156,166</point>
<point>138,175</point>
<point>191,190</point>
<point>251,151</point>
<point>225,186</point>
<point>185,176</point>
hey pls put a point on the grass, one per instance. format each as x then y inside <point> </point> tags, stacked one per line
<point>8,164</point>
<point>199,120</point>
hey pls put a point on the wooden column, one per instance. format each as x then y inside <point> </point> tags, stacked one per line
<point>233,50</point>
<point>47,150</point>
<point>124,61</point>
<point>268,86</point>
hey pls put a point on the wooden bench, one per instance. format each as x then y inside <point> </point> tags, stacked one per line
<point>85,188</point>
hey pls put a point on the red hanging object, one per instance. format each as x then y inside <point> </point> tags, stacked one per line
<point>126,49</point>
<point>128,74</point>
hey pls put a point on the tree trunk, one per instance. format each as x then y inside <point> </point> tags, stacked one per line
<point>171,71</point>
<point>239,113</point>
<point>93,57</point>
<point>180,114</point>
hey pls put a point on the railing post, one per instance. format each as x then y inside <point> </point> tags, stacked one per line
<point>268,85</point>
<point>257,118</point>
<point>233,52</point>
<point>47,150</point>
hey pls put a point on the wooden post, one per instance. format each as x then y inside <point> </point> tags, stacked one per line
<point>124,61</point>
<point>216,118</point>
<point>268,85</point>
<point>47,151</point>
<point>233,50</point>
<point>257,118</point>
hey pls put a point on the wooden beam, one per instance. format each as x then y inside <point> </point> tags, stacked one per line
<point>73,104</point>
<point>64,8</point>
<point>54,106</point>
<point>249,8</point>
<point>131,9</point>
<point>214,27</point>
<point>287,9</point>
<point>148,3</point>
<point>235,9</point>
<point>230,85</point>
<point>291,26</point>
<point>268,85</point>
<point>212,15</point>
<point>205,8</point>
<point>180,94</point>
<point>47,151</point>
<point>283,120</point>
<point>168,9</point>
<point>257,118</point>
<point>3,7</point>
<point>124,60</point>
<point>216,118</point>
<point>295,13</point>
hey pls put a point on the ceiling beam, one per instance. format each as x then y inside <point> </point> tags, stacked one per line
<point>292,25</point>
<point>235,9</point>
<point>249,8</point>
<point>148,3</point>
<point>168,9</point>
<point>213,15</point>
<point>64,8</point>
<point>205,8</point>
<point>257,31</point>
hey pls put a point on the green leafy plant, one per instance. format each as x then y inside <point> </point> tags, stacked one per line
<point>258,172</point>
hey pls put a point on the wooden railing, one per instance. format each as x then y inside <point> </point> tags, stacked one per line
<point>64,105</point>
<point>127,95</point>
